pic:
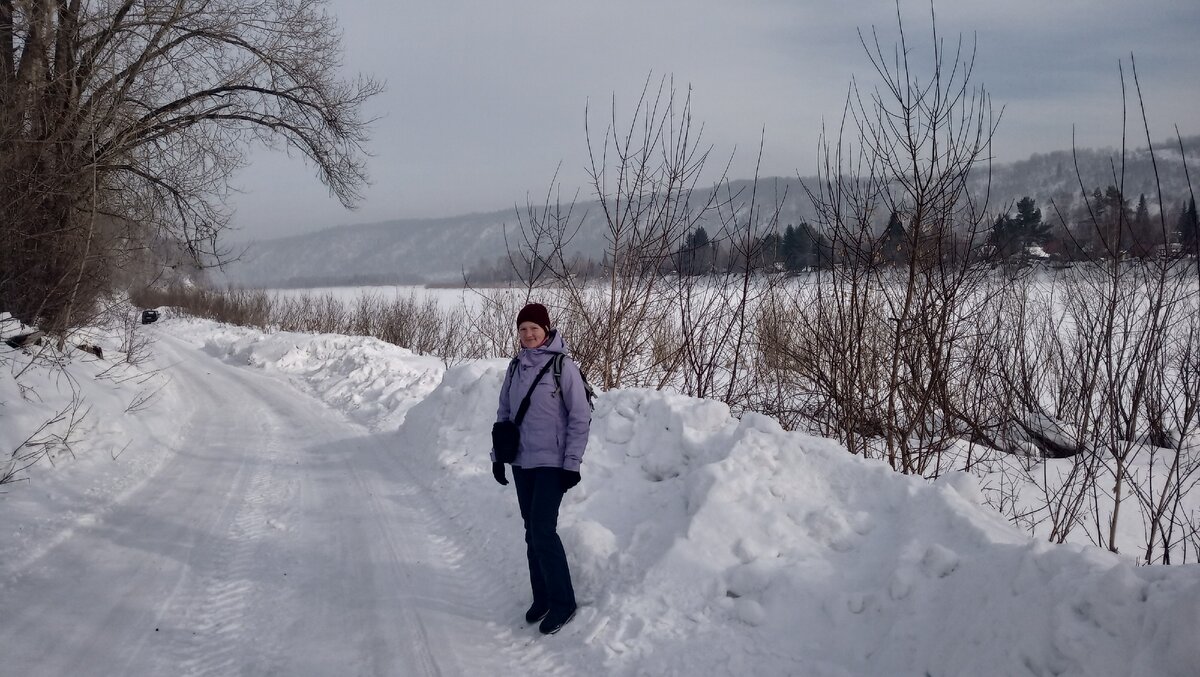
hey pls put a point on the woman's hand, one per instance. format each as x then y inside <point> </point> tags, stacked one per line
<point>498,472</point>
<point>569,479</point>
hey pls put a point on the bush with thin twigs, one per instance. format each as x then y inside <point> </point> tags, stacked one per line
<point>419,325</point>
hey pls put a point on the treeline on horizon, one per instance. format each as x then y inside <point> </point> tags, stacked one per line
<point>1105,225</point>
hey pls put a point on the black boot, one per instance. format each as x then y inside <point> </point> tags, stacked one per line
<point>536,612</point>
<point>554,620</point>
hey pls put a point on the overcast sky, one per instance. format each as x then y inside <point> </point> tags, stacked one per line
<point>485,98</point>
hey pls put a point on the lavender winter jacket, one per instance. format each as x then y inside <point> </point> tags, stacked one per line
<point>554,431</point>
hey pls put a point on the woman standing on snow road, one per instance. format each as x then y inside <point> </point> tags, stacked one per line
<point>553,434</point>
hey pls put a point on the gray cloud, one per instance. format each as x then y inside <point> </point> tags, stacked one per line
<point>486,98</point>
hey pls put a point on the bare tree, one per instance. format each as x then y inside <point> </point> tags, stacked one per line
<point>717,311</point>
<point>643,176</point>
<point>121,121</point>
<point>880,336</point>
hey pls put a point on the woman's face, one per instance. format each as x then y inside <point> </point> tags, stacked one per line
<point>532,334</point>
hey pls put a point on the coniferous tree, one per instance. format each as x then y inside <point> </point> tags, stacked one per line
<point>697,255</point>
<point>1098,203</point>
<point>1189,229</point>
<point>770,251</point>
<point>1144,237</point>
<point>894,242</point>
<point>791,249</point>
<point>1029,221</point>
<point>806,251</point>
<point>1004,238</point>
<point>1028,214</point>
<point>1090,231</point>
<point>1013,235</point>
<point>813,250</point>
<point>822,248</point>
<point>1113,221</point>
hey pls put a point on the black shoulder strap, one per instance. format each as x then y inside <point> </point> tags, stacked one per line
<point>587,388</point>
<point>525,402</point>
<point>512,369</point>
<point>558,362</point>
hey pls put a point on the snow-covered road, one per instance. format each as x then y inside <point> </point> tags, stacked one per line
<point>277,538</point>
<point>317,504</point>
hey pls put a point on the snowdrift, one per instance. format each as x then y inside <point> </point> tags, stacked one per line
<point>704,544</point>
<point>92,419</point>
<point>699,543</point>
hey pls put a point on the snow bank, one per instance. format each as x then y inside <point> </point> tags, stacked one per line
<point>371,381</point>
<point>699,543</point>
<point>104,424</point>
<point>703,544</point>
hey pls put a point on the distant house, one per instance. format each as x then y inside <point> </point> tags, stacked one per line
<point>1170,250</point>
<point>1035,251</point>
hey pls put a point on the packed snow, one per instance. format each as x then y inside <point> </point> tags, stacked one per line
<point>250,503</point>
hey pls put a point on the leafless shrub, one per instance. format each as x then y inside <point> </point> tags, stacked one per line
<point>1096,366</point>
<point>878,339</point>
<point>643,175</point>
<point>135,345</point>
<point>716,313</point>
<point>54,436</point>
<point>246,307</point>
<point>492,329</point>
<point>908,348</point>
<point>367,310</point>
<point>420,325</point>
<point>144,398</point>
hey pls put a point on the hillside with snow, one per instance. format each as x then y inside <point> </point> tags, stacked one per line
<point>407,251</point>
<point>321,504</point>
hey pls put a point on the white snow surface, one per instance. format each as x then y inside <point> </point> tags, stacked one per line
<point>300,504</point>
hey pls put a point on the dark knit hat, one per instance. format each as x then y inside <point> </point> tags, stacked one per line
<point>536,313</point>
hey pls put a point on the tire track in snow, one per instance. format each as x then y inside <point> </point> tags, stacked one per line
<point>401,595</point>
<point>213,637</point>
<point>412,630</point>
<point>121,595</point>
<point>277,537</point>
<point>467,598</point>
<point>220,635</point>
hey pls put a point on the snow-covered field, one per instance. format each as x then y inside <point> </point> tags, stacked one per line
<point>321,504</point>
<point>446,297</point>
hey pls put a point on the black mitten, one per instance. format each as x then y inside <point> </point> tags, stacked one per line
<point>569,478</point>
<point>498,472</point>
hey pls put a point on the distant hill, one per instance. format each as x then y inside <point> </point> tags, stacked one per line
<point>1052,176</point>
<point>409,251</point>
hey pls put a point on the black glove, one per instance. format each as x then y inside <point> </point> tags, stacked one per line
<point>569,478</point>
<point>498,472</point>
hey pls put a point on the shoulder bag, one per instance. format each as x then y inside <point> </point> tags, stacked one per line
<point>506,435</point>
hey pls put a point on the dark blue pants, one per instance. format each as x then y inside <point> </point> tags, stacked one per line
<point>540,493</point>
